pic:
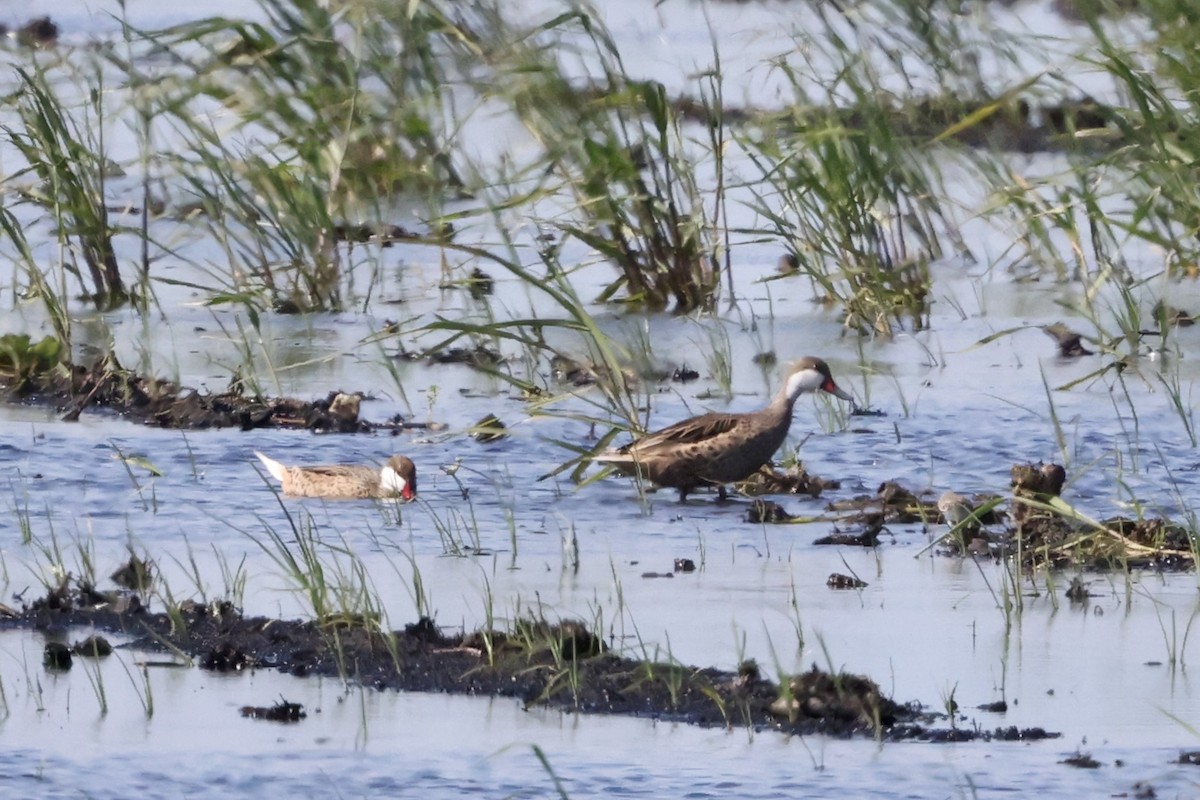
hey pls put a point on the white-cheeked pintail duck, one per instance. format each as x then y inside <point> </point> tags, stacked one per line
<point>716,449</point>
<point>398,477</point>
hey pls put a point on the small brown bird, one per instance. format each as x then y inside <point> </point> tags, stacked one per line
<point>716,449</point>
<point>956,508</point>
<point>346,481</point>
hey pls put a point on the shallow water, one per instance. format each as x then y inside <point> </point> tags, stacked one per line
<point>926,628</point>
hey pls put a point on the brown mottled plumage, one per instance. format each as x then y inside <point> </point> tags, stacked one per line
<point>716,449</point>
<point>346,481</point>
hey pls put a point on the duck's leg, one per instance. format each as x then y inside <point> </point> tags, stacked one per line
<point>683,493</point>
<point>722,495</point>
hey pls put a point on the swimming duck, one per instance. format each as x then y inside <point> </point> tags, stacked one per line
<point>716,449</point>
<point>345,481</point>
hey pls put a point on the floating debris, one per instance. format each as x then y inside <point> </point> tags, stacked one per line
<point>1082,761</point>
<point>56,656</point>
<point>283,711</point>
<point>766,511</point>
<point>1170,315</point>
<point>525,662</point>
<point>480,284</point>
<point>839,581</point>
<point>152,401</point>
<point>868,537</point>
<point>1039,483</point>
<point>584,373</point>
<point>794,480</point>
<point>136,574</point>
<point>386,235</point>
<point>94,646</point>
<point>767,358</point>
<point>40,32</point>
<point>684,374</point>
<point>488,429</point>
<point>226,656</point>
<point>891,503</point>
<point>1070,343</point>
<point>1077,593</point>
<point>480,356</point>
<point>844,697</point>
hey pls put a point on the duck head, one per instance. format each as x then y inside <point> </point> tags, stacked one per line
<point>399,476</point>
<point>811,374</point>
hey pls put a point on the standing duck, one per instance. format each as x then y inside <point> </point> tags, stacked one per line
<point>716,449</point>
<point>346,481</point>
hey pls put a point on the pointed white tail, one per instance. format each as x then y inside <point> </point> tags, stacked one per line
<point>276,469</point>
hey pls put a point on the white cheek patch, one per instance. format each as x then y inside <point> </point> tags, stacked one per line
<point>801,382</point>
<point>391,481</point>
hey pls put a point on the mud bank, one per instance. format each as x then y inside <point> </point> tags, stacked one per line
<point>561,665</point>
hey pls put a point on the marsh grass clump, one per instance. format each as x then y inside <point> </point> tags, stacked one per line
<point>1049,531</point>
<point>65,154</point>
<point>332,117</point>
<point>838,699</point>
<point>615,146</point>
<point>859,214</point>
<point>23,363</point>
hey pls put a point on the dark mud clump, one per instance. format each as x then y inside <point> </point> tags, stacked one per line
<point>487,430</point>
<point>56,656</point>
<point>1070,343</point>
<point>560,664</point>
<point>73,389</point>
<point>283,711</point>
<point>868,536</point>
<point>892,502</point>
<point>1035,525</point>
<point>766,511</point>
<point>793,480</point>
<point>480,356</point>
<point>41,32</point>
<point>94,646</point>
<point>1052,533</point>
<point>1082,761</point>
<point>839,581</point>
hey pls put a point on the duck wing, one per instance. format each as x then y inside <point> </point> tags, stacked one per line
<point>705,427</point>
<point>339,470</point>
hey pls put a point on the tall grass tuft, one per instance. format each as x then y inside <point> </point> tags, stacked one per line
<point>615,146</point>
<point>857,203</point>
<point>296,129</point>
<point>66,155</point>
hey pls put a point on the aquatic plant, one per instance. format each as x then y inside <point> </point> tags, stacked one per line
<point>331,114</point>
<point>330,577</point>
<point>559,786</point>
<point>615,144</point>
<point>857,206</point>
<point>67,156</point>
<point>22,361</point>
